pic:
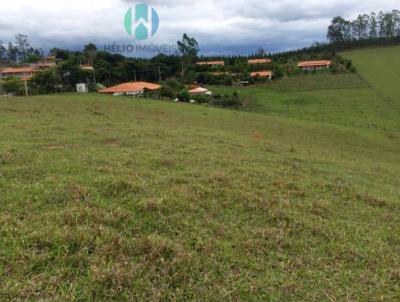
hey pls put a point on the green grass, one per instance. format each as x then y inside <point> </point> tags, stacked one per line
<point>369,99</point>
<point>380,67</point>
<point>107,198</point>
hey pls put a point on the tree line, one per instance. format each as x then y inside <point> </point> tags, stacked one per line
<point>19,51</point>
<point>382,25</point>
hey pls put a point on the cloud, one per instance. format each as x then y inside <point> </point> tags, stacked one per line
<point>218,25</point>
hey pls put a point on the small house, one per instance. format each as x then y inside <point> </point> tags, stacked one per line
<point>314,65</point>
<point>265,74</point>
<point>259,61</point>
<point>23,73</point>
<point>130,89</point>
<point>200,91</point>
<point>211,63</point>
<point>86,67</point>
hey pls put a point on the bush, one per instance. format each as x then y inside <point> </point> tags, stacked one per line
<point>348,64</point>
<point>228,81</point>
<point>202,99</point>
<point>175,84</point>
<point>13,85</point>
<point>277,72</point>
<point>334,69</point>
<point>184,96</point>
<point>167,91</point>
<point>227,101</point>
<point>44,82</point>
<point>353,70</point>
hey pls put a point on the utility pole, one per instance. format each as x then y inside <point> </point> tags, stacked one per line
<point>134,73</point>
<point>183,70</point>
<point>26,88</point>
<point>159,74</point>
<point>94,76</point>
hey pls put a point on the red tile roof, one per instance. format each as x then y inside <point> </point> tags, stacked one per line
<point>315,63</point>
<point>220,73</point>
<point>131,87</point>
<point>198,90</point>
<point>259,61</point>
<point>262,74</point>
<point>211,63</point>
<point>43,65</point>
<point>12,70</point>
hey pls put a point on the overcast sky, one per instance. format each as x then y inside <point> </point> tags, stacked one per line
<point>220,26</point>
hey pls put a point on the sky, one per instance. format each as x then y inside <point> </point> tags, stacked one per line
<point>220,26</point>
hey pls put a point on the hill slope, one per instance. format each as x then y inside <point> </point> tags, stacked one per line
<point>110,198</point>
<point>369,99</point>
<point>381,68</point>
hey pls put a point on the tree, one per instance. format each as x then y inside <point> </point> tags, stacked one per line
<point>184,96</point>
<point>12,53</point>
<point>70,73</point>
<point>33,58</point>
<point>167,91</point>
<point>261,52</point>
<point>396,17</point>
<point>23,47</point>
<point>188,48</point>
<point>61,54</point>
<point>387,24</point>
<point>339,30</point>
<point>13,85</point>
<point>373,26</point>
<point>3,53</point>
<point>44,81</point>
<point>360,27</point>
<point>90,52</point>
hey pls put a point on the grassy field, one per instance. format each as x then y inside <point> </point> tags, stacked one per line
<point>117,199</point>
<point>380,67</point>
<point>369,99</point>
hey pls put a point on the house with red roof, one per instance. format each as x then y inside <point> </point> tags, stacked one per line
<point>200,91</point>
<point>211,63</point>
<point>266,74</point>
<point>131,88</point>
<point>314,65</point>
<point>259,61</point>
<point>23,73</point>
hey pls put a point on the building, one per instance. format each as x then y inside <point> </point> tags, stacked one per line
<point>258,61</point>
<point>241,83</point>
<point>86,67</point>
<point>220,73</point>
<point>46,63</point>
<point>131,89</point>
<point>211,63</point>
<point>200,91</point>
<point>23,73</point>
<point>315,65</point>
<point>43,65</point>
<point>262,74</point>
<point>82,88</point>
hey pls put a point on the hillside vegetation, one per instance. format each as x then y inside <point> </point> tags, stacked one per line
<point>106,198</point>
<point>380,67</point>
<point>368,99</point>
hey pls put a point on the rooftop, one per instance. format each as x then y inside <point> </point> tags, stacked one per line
<point>314,63</point>
<point>198,90</point>
<point>131,87</point>
<point>24,69</point>
<point>262,74</point>
<point>86,67</point>
<point>211,63</point>
<point>259,61</point>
